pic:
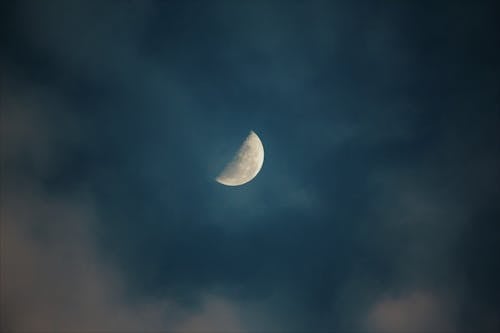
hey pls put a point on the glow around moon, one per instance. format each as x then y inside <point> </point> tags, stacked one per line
<point>246,164</point>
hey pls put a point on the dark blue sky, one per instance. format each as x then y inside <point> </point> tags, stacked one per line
<point>377,207</point>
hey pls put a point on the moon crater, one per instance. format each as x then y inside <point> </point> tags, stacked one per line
<point>246,163</point>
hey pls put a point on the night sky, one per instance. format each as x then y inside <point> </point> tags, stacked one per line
<point>377,208</point>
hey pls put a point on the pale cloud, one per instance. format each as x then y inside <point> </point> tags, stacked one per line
<point>416,311</point>
<point>52,278</point>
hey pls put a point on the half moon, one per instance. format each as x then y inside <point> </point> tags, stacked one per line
<point>246,164</point>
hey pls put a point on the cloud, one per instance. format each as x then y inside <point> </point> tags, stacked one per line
<point>53,280</point>
<point>216,315</point>
<point>416,311</point>
<point>53,275</point>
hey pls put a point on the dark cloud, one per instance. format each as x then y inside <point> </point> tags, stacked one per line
<point>374,210</point>
<point>53,277</point>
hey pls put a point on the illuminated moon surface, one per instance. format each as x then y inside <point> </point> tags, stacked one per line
<point>246,164</point>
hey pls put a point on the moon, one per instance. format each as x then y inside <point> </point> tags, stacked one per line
<point>246,163</point>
